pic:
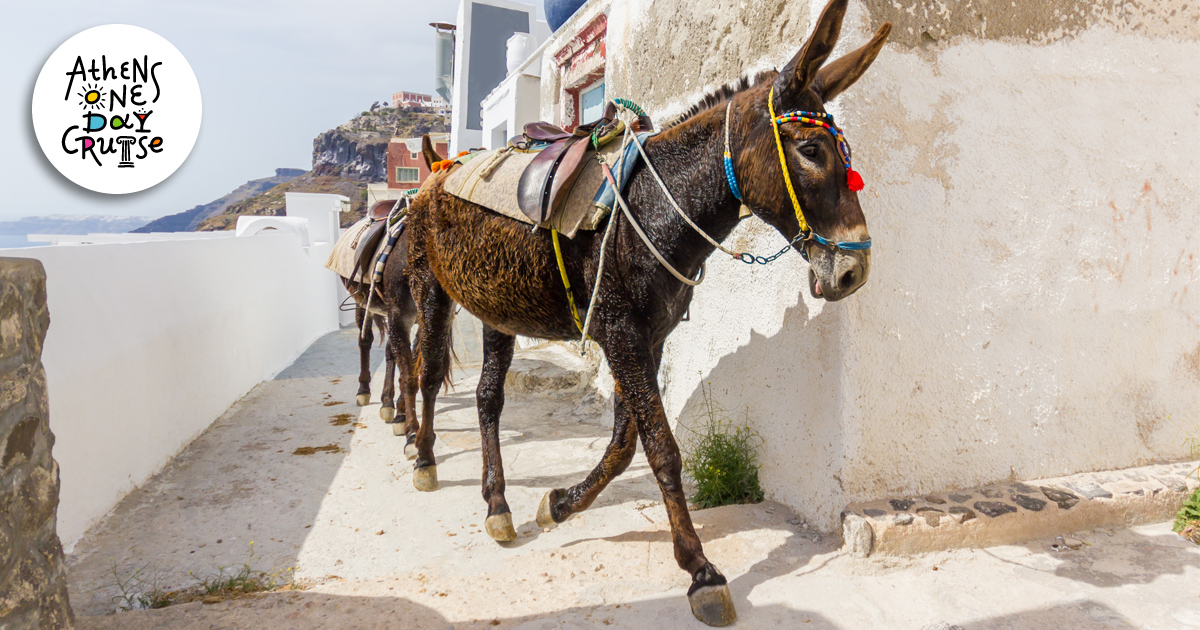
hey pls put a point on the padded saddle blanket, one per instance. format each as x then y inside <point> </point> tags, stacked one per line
<point>346,259</point>
<point>489,179</point>
<point>343,260</point>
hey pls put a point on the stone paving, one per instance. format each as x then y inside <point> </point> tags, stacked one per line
<point>374,553</point>
<point>1013,512</point>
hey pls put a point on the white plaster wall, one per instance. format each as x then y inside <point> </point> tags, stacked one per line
<point>150,342</point>
<point>1033,203</point>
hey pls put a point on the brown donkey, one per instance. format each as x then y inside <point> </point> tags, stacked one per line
<point>506,275</point>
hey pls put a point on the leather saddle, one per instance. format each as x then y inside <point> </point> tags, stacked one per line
<point>368,245</point>
<point>544,184</point>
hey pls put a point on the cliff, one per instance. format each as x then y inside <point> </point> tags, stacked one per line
<point>345,160</point>
<point>357,150</point>
<point>189,220</point>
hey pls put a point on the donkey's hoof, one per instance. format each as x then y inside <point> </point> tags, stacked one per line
<point>500,527</point>
<point>363,400</point>
<point>410,449</point>
<point>713,605</point>
<point>425,479</point>
<point>387,413</point>
<point>544,517</point>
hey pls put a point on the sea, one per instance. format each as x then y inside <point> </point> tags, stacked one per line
<point>10,241</point>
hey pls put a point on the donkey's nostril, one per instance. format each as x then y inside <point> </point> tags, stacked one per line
<point>846,280</point>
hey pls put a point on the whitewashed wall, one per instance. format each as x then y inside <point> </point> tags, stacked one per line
<point>1032,194</point>
<point>150,342</point>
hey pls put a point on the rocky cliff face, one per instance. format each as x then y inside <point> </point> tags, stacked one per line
<point>357,150</point>
<point>345,160</point>
<point>353,156</point>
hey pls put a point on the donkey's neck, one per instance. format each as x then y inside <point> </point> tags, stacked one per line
<point>689,159</point>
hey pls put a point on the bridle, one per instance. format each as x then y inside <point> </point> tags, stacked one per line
<point>853,179</point>
<point>818,119</point>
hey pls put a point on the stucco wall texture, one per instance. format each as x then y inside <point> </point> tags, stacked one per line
<point>1032,176</point>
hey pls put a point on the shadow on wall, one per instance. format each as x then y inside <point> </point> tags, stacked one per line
<point>791,381</point>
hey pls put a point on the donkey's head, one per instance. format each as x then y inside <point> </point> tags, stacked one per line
<point>816,155</point>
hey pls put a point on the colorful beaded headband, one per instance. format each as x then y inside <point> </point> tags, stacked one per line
<point>854,181</point>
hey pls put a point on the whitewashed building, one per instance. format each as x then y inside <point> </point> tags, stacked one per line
<point>1032,185</point>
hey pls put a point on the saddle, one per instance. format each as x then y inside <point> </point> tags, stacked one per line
<point>546,180</point>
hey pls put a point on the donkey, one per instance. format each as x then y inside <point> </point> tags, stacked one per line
<point>507,276</point>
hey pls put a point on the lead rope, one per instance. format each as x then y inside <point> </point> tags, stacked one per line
<point>587,321</point>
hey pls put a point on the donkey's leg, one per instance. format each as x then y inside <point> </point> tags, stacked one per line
<point>489,400</point>
<point>406,425</point>
<point>365,341</point>
<point>558,504</point>
<point>388,396</point>
<point>633,368</point>
<point>436,315</point>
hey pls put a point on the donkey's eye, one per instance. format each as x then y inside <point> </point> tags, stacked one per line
<point>810,151</point>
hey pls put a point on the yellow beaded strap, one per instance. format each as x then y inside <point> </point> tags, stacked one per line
<point>562,270</point>
<point>787,178</point>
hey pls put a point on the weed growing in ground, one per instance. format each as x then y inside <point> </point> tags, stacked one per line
<point>233,582</point>
<point>141,589</point>
<point>1187,521</point>
<point>721,457</point>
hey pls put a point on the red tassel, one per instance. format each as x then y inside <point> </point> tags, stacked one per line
<point>854,181</point>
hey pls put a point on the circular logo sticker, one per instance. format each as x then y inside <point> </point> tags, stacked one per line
<point>116,109</point>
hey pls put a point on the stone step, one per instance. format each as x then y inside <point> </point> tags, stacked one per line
<point>551,370</point>
<point>1007,513</point>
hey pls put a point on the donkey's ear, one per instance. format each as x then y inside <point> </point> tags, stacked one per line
<point>802,69</point>
<point>428,152</point>
<point>834,78</point>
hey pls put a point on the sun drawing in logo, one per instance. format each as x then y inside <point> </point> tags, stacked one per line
<point>91,96</point>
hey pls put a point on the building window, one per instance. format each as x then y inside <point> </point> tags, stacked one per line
<point>414,155</point>
<point>406,174</point>
<point>591,103</point>
<point>581,62</point>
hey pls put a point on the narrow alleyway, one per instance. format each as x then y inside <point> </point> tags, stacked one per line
<point>322,486</point>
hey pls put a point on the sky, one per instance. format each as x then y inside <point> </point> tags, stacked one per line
<point>273,75</point>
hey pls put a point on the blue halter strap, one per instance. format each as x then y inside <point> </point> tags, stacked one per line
<point>819,120</point>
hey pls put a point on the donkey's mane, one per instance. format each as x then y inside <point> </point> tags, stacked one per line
<point>720,95</point>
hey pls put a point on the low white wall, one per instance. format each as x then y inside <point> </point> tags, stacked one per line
<point>150,342</point>
<point>1032,185</point>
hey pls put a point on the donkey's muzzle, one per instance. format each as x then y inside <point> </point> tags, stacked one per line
<point>836,273</point>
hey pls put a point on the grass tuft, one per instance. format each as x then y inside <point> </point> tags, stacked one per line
<point>721,457</point>
<point>141,589</point>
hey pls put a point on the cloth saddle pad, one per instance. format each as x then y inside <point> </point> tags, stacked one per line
<point>355,252</point>
<point>343,260</point>
<point>490,180</point>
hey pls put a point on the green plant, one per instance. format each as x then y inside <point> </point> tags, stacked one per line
<point>140,590</point>
<point>1187,521</point>
<point>232,582</point>
<point>721,457</point>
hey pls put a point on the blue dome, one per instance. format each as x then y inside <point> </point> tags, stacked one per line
<point>559,11</point>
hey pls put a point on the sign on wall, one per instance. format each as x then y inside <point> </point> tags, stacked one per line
<point>116,109</point>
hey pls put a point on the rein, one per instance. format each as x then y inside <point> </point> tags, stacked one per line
<point>819,119</point>
<point>853,179</point>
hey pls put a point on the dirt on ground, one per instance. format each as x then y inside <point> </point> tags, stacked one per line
<point>370,551</point>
